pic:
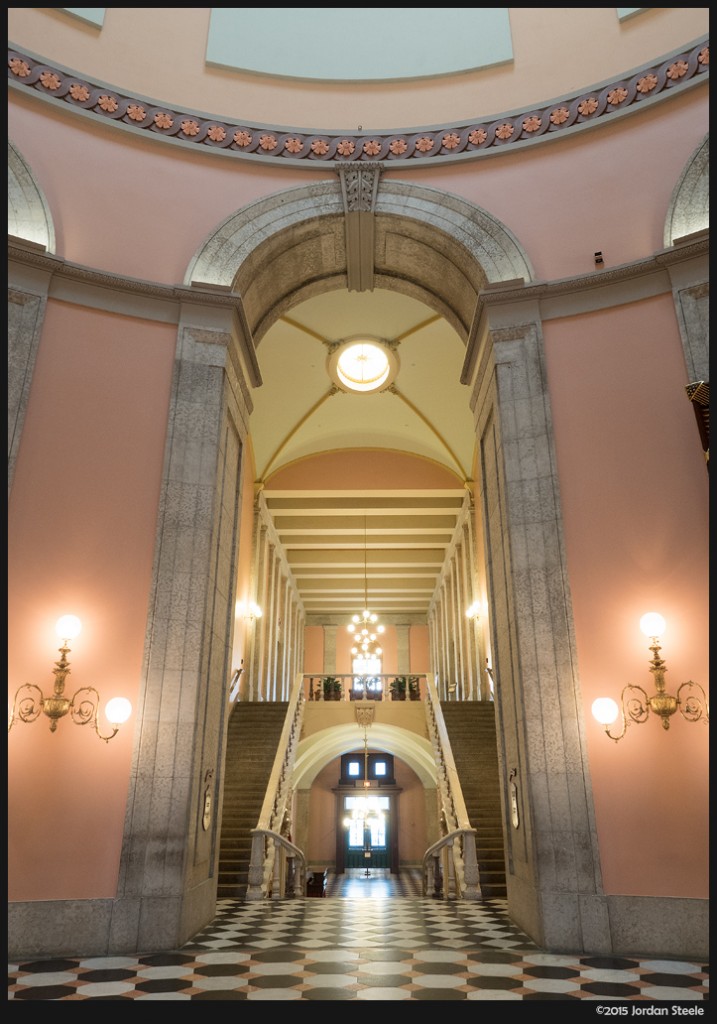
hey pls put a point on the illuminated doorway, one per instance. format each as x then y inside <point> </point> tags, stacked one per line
<point>367,813</point>
<point>367,831</point>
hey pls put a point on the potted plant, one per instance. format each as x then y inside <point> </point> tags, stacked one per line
<point>398,688</point>
<point>414,689</point>
<point>332,688</point>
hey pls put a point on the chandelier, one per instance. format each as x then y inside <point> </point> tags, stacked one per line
<point>365,627</point>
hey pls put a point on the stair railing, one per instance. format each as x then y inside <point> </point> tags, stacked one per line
<point>284,872</point>
<point>440,877</point>
<point>456,849</point>
<point>276,865</point>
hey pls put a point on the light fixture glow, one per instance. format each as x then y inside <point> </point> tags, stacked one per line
<point>68,627</point>
<point>690,700</point>
<point>83,707</point>
<point>652,624</point>
<point>605,710</point>
<point>249,610</point>
<point>118,710</point>
<point>363,366</point>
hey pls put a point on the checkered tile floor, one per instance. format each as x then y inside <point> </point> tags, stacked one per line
<point>369,940</point>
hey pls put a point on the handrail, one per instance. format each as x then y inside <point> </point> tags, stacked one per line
<point>434,873</point>
<point>454,816</point>
<point>275,817</point>
<point>288,871</point>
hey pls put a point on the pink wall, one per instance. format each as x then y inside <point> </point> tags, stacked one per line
<point>99,399</point>
<point>144,236</point>
<point>547,196</point>
<point>419,657</point>
<point>560,236</point>
<point>314,649</point>
<point>634,491</point>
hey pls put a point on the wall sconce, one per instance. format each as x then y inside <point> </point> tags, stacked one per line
<point>83,708</point>
<point>249,610</point>
<point>473,612</point>
<point>690,699</point>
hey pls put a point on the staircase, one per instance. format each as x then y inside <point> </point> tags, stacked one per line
<point>252,739</point>
<point>471,731</point>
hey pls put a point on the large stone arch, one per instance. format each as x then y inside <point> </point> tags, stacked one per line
<point>29,226</point>
<point>450,255</point>
<point>266,258</point>
<point>292,245</point>
<point>28,214</point>
<point>689,210</point>
<point>688,218</point>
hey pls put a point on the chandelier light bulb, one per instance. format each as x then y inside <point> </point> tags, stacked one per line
<point>68,627</point>
<point>652,624</point>
<point>605,710</point>
<point>118,710</point>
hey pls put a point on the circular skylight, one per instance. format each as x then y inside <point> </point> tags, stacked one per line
<point>363,365</point>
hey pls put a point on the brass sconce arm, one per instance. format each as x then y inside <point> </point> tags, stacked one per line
<point>83,707</point>
<point>695,704</point>
<point>635,707</point>
<point>636,704</point>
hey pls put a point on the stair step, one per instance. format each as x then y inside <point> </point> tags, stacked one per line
<point>472,734</point>
<point>253,736</point>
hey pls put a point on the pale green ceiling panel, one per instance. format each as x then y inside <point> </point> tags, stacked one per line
<point>92,15</point>
<point>358,44</point>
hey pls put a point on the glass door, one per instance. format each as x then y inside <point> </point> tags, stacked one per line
<point>366,828</point>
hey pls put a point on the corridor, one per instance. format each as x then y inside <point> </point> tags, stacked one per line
<point>372,938</point>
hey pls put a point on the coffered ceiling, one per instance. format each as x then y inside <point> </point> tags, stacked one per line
<point>383,531</point>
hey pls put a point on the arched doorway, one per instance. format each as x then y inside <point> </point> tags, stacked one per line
<point>454,257</point>
<point>324,777</point>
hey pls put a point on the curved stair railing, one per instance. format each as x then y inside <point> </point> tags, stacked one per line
<point>450,866</point>
<point>277,867</point>
<point>284,866</point>
<point>440,877</point>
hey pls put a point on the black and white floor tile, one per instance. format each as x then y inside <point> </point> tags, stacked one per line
<point>372,938</point>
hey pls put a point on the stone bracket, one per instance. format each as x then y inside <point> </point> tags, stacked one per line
<point>359,189</point>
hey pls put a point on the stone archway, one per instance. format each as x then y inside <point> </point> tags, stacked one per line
<point>267,257</point>
<point>28,214</point>
<point>284,249</point>
<point>29,225</point>
<point>689,210</point>
<point>320,748</point>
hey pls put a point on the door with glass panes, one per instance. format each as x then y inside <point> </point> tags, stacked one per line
<point>367,812</point>
<point>367,831</point>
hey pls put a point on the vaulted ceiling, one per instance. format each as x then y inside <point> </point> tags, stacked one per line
<point>364,490</point>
